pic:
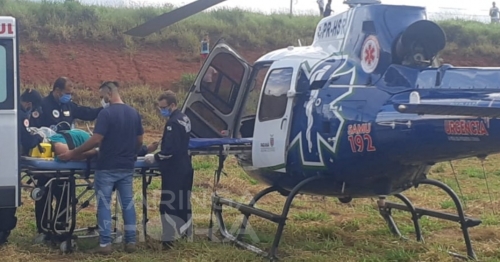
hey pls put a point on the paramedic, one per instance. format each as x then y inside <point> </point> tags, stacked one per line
<point>58,113</point>
<point>176,172</point>
<point>57,107</point>
<point>30,100</point>
<point>119,132</point>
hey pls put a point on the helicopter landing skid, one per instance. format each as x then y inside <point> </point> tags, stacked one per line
<point>465,222</point>
<point>249,209</point>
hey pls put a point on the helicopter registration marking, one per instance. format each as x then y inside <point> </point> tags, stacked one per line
<point>358,136</point>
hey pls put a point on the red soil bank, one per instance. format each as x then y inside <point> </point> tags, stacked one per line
<point>89,65</point>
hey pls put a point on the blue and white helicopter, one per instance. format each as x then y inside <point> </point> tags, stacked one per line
<point>364,111</point>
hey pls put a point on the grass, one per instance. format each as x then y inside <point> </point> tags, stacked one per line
<point>318,229</point>
<point>69,21</point>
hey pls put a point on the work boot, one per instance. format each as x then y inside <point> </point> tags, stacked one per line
<point>130,247</point>
<point>102,250</point>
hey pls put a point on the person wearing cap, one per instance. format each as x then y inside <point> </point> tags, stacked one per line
<point>30,100</point>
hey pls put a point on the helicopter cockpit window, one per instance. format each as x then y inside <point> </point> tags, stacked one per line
<point>274,96</point>
<point>221,82</point>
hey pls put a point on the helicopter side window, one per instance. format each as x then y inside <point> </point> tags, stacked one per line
<point>222,81</point>
<point>274,96</point>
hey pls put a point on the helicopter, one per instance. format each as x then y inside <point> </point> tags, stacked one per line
<point>363,112</point>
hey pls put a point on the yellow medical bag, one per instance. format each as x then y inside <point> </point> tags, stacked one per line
<point>46,149</point>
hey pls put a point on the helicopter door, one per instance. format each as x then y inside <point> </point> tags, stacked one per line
<point>274,114</point>
<point>214,101</point>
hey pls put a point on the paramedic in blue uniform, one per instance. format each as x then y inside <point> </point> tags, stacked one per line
<point>58,113</point>
<point>176,172</point>
<point>30,100</point>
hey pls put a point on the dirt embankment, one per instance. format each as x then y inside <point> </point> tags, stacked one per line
<point>91,64</point>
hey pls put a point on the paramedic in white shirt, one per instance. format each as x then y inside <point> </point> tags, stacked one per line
<point>494,13</point>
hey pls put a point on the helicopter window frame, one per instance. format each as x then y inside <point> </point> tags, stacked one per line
<point>223,102</point>
<point>264,114</point>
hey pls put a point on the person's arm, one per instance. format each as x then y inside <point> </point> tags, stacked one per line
<point>84,112</point>
<point>140,133</point>
<point>101,127</point>
<point>29,141</point>
<point>88,154</point>
<point>169,143</point>
<point>143,151</point>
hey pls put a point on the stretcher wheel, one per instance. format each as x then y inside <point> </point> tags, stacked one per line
<point>118,237</point>
<point>37,193</point>
<point>64,246</point>
<point>40,239</point>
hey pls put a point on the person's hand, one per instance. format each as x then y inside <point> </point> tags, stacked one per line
<point>153,146</point>
<point>67,156</point>
<point>149,158</point>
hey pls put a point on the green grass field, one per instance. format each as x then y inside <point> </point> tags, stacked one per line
<point>318,229</point>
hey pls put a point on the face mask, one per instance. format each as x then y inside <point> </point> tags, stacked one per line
<point>104,104</point>
<point>65,98</point>
<point>165,112</point>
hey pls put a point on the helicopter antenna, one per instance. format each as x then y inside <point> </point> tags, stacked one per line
<point>482,158</point>
<point>458,184</point>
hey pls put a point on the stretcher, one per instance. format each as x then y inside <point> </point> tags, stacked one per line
<point>46,175</point>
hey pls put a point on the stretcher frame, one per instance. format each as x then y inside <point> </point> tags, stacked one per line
<point>66,238</point>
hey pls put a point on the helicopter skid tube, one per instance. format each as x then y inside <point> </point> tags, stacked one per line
<point>385,208</point>
<point>249,209</point>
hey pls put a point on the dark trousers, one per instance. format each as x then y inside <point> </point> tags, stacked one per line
<point>175,206</point>
<point>61,203</point>
<point>8,222</point>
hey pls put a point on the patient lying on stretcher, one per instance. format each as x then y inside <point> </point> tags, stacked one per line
<point>66,140</point>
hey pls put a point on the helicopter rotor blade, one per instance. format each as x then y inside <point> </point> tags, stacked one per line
<point>167,19</point>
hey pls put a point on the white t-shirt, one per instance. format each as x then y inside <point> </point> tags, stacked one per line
<point>494,12</point>
<point>208,75</point>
